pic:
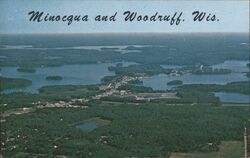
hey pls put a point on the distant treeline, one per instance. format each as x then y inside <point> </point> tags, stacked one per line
<point>236,87</point>
<point>180,52</point>
<point>9,83</point>
<point>135,70</point>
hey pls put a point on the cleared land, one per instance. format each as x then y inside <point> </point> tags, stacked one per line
<point>228,149</point>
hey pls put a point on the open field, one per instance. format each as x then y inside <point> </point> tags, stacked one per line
<point>227,149</point>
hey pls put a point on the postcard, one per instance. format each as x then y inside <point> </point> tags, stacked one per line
<point>124,79</point>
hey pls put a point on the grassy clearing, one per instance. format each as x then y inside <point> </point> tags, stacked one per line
<point>228,149</point>
<point>170,95</point>
<point>231,149</point>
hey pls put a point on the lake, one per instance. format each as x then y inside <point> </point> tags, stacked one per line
<point>87,126</point>
<point>226,97</point>
<point>92,123</point>
<point>83,74</point>
<point>234,65</point>
<point>159,82</point>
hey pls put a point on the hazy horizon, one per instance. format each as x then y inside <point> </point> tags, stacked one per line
<point>14,16</point>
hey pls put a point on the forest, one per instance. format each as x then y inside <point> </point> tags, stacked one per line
<point>154,129</point>
<point>8,83</point>
<point>169,125</point>
<point>129,119</point>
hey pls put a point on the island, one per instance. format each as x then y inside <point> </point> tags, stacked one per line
<point>248,74</point>
<point>54,78</point>
<point>139,70</point>
<point>175,82</point>
<point>26,69</point>
<point>121,116</point>
<point>10,83</point>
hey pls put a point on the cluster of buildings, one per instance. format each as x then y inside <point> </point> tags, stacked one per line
<point>62,104</point>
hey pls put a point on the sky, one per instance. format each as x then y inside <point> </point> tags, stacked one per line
<point>233,16</point>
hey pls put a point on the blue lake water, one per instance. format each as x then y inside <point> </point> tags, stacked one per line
<point>87,126</point>
<point>83,74</point>
<point>234,65</point>
<point>159,82</point>
<point>233,97</point>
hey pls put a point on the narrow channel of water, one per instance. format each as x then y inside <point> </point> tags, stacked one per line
<point>159,82</point>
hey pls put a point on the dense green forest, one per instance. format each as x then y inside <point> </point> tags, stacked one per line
<point>160,49</point>
<point>147,129</point>
<point>135,70</point>
<point>107,79</point>
<point>135,88</point>
<point>8,83</point>
<point>184,119</point>
<point>235,87</point>
<point>144,130</point>
<point>47,93</point>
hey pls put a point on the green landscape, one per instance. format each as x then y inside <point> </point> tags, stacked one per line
<point>155,128</point>
<point>53,114</point>
<point>7,83</point>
